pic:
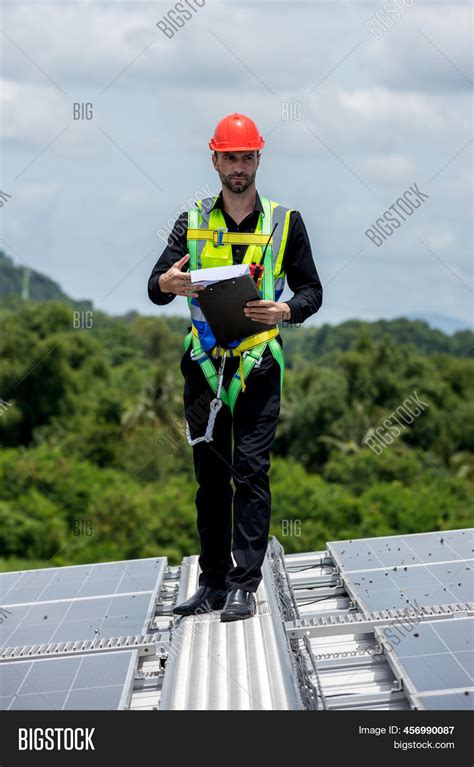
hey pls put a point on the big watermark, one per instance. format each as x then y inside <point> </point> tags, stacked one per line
<point>396,423</point>
<point>394,217</point>
<point>387,16</point>
<point>177,16</point>
<point>180,228</point>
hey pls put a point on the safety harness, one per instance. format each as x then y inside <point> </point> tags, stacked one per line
<point>249,350</point>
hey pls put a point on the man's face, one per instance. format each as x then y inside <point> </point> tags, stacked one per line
<point>237,170</point>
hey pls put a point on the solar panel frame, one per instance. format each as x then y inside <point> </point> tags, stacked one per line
<point>364,554</point>
<point>102,617</point>
<point>449,701</point>
<point>80,581</point>
<point>114,614</point>
<point>115,670</point>
<point>431,658</point>
<point>411,585</point>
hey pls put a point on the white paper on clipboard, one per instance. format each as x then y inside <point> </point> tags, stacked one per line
<point>218,273</point>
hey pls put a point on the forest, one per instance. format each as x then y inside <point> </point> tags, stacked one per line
<point>94,464</point>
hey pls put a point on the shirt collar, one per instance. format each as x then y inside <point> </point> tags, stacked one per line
<point>258,203</point>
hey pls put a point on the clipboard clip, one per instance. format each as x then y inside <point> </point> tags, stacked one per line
<point>218,237</point>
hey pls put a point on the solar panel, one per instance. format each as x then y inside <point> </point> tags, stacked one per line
<point>432,656</point>
<point>462,700</point>
<point>109,578</point>
<point>411,585</point>
<point>438,671</point>
<point>81,682</point>
<point>79,619</point>
<point>388,551</point>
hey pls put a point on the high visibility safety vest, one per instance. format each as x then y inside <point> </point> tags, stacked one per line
<point>210,244</point>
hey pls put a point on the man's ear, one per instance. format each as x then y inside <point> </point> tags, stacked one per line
<point>214,161</point>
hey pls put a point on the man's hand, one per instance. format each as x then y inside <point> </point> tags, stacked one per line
<point>268,312</point>
<point>178,282</point>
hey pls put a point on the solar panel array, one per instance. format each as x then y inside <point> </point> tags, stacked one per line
<point>434,659</point>
<point>68,604</point>
<point>391,572</point>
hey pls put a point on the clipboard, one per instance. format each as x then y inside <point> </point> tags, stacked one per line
<point>223,303</point>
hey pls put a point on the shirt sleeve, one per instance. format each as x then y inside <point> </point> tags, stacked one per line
<point>301,274</point>
<point>175,249</point>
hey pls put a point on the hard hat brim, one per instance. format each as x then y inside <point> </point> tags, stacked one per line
<point>219,148</point>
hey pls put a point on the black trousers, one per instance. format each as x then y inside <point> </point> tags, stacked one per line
<point>233,519</point>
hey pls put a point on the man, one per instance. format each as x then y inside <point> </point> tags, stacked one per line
<point>237,226</point>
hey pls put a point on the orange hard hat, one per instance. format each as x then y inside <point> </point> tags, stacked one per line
<point>236,133</point>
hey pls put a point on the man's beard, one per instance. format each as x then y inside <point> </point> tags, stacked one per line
<point>230,182</point>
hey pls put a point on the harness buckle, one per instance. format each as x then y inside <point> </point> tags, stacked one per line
<point>258,360</point>
<point>218,236</point>
<point>196,357</point>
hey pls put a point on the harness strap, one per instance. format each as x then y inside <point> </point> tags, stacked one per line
<point>248,358</point>
<point>277,352</point>
<point>222,237</point>
<point>247,343</point>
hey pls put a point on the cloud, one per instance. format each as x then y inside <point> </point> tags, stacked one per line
<point>378,107</point>
<point>430,48</point>
<point>379,167</point>
<point>31,114</point>
<point>134,198</point>
<point>442,239</point>
<point>34,194</point>
<point>390,112</point>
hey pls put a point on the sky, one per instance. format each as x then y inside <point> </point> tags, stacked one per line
<point>353,114</point>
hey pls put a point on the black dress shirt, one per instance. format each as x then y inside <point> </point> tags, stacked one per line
<point>298,264</point>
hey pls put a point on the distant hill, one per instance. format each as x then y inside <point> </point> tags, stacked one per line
<point>41,288</point>
<point>442,322</point>
<point>307,342</point>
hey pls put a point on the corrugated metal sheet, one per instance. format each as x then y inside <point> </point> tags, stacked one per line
<point>229,666</point>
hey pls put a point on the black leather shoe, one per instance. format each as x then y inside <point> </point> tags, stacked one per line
<point>239,604</point>
<point>203,600</point>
